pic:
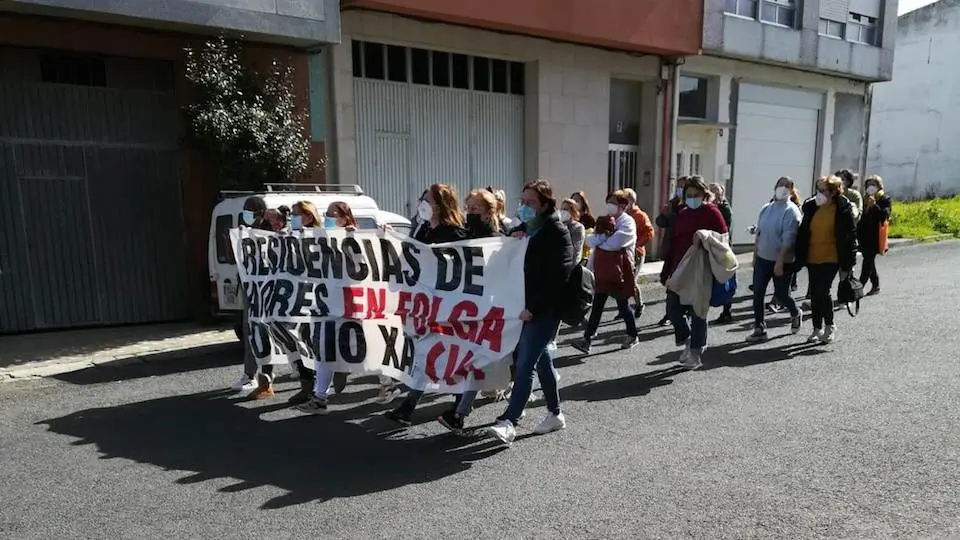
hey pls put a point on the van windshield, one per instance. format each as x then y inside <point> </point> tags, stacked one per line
<point>224,248</point>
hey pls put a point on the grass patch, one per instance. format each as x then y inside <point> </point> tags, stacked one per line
<point>920,219</point>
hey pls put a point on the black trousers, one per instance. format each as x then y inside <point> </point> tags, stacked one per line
<point>821,284</point>
<point>869,270</point>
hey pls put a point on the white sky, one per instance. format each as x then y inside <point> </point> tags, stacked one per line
<point>910,5</point>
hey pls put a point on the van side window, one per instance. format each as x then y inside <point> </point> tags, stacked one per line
<point>366,223</point>
<point>224,249</point>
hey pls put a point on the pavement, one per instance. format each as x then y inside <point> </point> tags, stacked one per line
<point>858,439</point>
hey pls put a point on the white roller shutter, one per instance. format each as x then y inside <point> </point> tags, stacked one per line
<point>776,136</point>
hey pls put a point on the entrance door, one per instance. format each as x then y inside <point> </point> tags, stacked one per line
<point>689,159</point>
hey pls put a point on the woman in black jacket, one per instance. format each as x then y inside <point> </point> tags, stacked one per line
<point>442,222</point>
<point>876,211</point>
<point>546,270</point>
<point>826,243</point>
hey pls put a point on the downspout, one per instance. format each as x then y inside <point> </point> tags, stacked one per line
<point>668,135</point>
<point>865,139</point>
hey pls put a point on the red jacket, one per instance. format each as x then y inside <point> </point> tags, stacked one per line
<point>645,230</point>
<point>688,222</point>
<point>613,272</point>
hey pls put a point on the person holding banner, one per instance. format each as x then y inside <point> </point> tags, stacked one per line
<point>257,387</point>
<point>339,215</point>
<point>482,222</point>
<point>302,216</point>
<point>548,263</point>
<point>443,222</point>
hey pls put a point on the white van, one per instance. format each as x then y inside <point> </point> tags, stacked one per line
<point>226,215</point>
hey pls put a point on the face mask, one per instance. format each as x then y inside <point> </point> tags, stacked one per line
<point>781,193</point>
<point>296,222</point>
<point>679,193</point>
<point>821,199</point>
<point>329,222</point>
<point>612,209</point>
<point>248,217</point>
<point>526,214</point>
<point>474,221</point>
<point>424,211</point>
<point>564,216</point>
<point>872,190</point>
<point>694,202</point>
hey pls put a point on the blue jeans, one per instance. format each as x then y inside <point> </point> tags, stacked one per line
<point>762,274</point>
<point>532,354</point>
<point>685,323</point>
<point>466,401</point>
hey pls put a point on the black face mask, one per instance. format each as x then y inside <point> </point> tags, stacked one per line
<point>475,221</point>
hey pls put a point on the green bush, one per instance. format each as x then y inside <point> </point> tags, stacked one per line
<point>925,218</point>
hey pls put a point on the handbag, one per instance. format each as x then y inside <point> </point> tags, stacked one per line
<point>850,292</point>
<point>723,293</point>
<point>882,242</point>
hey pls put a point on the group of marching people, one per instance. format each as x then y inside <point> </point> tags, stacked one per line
<point>822,234</point>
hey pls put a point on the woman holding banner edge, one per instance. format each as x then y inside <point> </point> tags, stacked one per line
<point>442,222</point>
<point>548,262</point>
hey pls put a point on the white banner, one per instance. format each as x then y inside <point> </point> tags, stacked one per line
<point>439,317</point>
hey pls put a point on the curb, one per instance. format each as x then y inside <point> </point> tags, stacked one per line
<point>60,366</point>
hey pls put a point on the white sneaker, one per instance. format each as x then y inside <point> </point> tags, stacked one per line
<point>830,335</point>
<point>504,431</point>
<point>388,393</point>
<point>552,346</point>
<point>685,355</point>
<point>816,336</point>
<point>244,384</point>
<point>550,423</point>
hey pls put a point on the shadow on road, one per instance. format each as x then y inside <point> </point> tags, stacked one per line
<point>311,458</point>
<point>624,387</point>
<point>744,354</point>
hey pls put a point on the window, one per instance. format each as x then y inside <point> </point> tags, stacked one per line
<point>78,70</point>
<point>224,247</point>
<point>832,29</point>
<point>862,29</point>
<point>744,8</point>
<point>780,12</point>
<point>436,68</point>
<point>693,97</point>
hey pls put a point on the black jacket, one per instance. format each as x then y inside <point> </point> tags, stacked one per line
<point>483,230</point>
<point>873,216</point>
<point>726,212</point>
<point>845,230</point>
<point>440,235</point>
<point>547,266</point>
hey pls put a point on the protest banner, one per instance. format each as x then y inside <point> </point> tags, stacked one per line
<point>436,317</point>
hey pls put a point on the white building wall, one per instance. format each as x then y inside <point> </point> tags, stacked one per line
<point>915,119</point>
<point>724,71</point>
<point>567,95</point>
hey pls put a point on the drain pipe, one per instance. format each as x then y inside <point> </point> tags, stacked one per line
<point>865,139</point>
<point>670,81</point>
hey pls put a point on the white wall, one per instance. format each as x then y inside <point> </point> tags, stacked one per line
<point>915,119</point>
<point>567,95</point>
<point>725,70</point>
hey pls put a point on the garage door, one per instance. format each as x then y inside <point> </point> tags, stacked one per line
<point>776,136</point>
<point>431,117</point>
<point>90,226</point>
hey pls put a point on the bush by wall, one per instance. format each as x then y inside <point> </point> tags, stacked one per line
<point>921,219</point>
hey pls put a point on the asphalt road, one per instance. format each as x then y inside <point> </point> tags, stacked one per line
<point>860,439</point>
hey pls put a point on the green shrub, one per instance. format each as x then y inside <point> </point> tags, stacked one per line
<point>925,218</point>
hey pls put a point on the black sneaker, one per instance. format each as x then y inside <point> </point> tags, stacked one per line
<point>725,318</point>
<point>664,321</point>
<point>582,345</point>
<point>300,397</point>
<point>638,311</point>
<point>452,421</point>
<point>400,415</point>
<point>314,405</point>
<point>339,382</point>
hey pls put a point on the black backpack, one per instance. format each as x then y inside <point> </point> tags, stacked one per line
<point>578,297</point>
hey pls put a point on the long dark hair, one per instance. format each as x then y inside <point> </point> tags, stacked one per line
<point>586,216</point>
<point>341,209</point>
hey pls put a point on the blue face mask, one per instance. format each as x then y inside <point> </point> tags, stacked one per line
<point>525,213</point>
<point>329,222</point>
<point>296,222</point>
<point>694,202</point>
<point>248,217</point>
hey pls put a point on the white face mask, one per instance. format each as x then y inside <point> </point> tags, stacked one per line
<point>821,199</point>
<point>872,190</point>
<point>781,193</point>
<point>424,211</point>
<point>564,215</point>
<point>612,209</point>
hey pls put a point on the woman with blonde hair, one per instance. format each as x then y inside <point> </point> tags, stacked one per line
<point>504,222</point>
<point>826,244</point>
<point>482,219</point>
<point>443,222</point>
<point>877,207</point>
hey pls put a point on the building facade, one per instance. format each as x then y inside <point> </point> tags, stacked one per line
<point>493,93</point>
<point>103,213</point>
<point>781,89</point>
<point>914,119</point>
